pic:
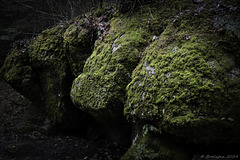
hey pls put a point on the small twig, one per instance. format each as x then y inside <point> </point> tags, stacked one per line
<point>39,11</point>
<point>71,8</point>
<point>150,13</point>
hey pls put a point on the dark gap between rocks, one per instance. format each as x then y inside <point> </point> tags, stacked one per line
<point>26,133</point>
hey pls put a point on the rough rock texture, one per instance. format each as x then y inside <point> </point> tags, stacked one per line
<point>49,56</point>
<point>19,72</point>
<point>78,40</point>
<point>185,82</point>
<point>44,69</point>
<point>186,86</point>
<point>100,89</point>
<point>171,68</point>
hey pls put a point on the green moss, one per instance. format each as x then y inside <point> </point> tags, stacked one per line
<point>78,42</point>
<point>48,48</point>
<point>148,145</point>
<point>16,69</point>
<point>48,56</point>
<point>183,79</point>
<point>164,66</point>
<point>100,89</point>
<point>54,58</point>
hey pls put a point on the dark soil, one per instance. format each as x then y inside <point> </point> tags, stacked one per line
<point>24,135</point>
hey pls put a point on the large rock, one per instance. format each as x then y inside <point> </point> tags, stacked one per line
<point>186,88</point>
<point>184,81</point>
<point>182,84</point>
<point>18,71</point>
<point>173,70</point>
<point>79,41</point>
<point>100,89</point>
<point>44,69</point>
<point>49,57</point>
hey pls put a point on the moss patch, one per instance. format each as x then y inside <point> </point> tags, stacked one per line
<point>184,79</point>
<point>100,89</point>
<point>148,145</point>
<point>53,59</point>
<point>48,56</point>
<point>78,41</point>
<point>16,69</point>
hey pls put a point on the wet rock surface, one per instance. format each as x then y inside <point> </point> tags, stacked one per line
<point>26,134</point>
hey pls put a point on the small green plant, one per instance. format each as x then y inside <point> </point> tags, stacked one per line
<point>142,152</point>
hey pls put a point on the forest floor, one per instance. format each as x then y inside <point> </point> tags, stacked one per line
<point>23,135</point>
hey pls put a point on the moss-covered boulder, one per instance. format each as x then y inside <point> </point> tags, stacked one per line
<point>186,86</point>
<point>175,70</point>
<point>18,71</point>
<point>51,61</point>
<point>172,68</point>
<point>147,145</point>
<point>100,89</point>
<point>48,56</point>
<point>17,68</point>
<point>183,81</point>
<point>78,40</point>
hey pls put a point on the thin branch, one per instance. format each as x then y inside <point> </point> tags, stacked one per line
<point>39,11</point>
<point>71,8</point>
